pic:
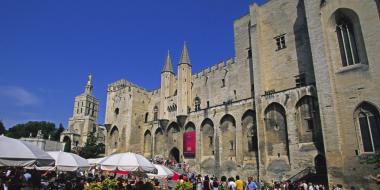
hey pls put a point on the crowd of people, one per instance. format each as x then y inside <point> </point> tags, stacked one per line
<point>16,179</point>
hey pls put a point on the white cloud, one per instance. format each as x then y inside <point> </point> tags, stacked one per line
<point>19,96</point>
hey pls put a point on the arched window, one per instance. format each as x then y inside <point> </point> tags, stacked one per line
<point>348,31</point>
<point>367,117</point>
<point>117,111</point>
<point>155,113</point>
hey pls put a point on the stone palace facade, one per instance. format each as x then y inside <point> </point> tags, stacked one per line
<point>301,95</point>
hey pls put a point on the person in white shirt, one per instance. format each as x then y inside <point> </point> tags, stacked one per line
<point>231,184</point>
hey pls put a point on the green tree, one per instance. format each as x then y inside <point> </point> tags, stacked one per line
<point>58,132</point>
<point>90,149</point>
<point>32,127</point>
<point>67,147</point>
<point>371,159</point>
<point>2,128</point>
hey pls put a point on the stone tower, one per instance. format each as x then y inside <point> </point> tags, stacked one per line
<point>184,85</point>
<point>85,114</point>
<point>167,86</point>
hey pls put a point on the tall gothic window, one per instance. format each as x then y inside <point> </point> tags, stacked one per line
<point>347,44</point>
<point>349,37</point>
<point>367,117</point>
<point>155,113</point>
<point>197,102</point>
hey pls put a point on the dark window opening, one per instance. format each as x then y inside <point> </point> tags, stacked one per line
<point>197,102</point>
<point>280,42</point>
<point>347,43</point>
<point>211,140</point>
<point>155,113</point>
<point>300,80</point>
<point>146,117</point>
<point>223,83</point>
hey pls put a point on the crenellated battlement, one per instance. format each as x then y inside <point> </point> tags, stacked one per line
<point>228,64</point>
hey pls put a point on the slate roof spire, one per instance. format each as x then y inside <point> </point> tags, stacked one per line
<point>184,56</point>
<point>168,67</point>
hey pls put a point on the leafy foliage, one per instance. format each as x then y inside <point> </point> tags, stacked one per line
<point>107,184</point>
<point>57,133</point>
<point>67,147</point>
<point>91,149</point>
<point>31,127</point>
<point>184,186</point>
<point>2,128</point>
<point>371,159</point>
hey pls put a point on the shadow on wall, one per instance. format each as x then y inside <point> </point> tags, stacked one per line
<point>301,35</point>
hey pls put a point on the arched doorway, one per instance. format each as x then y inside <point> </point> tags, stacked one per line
<point>189,141</point>
<point>321,169</point>
<point>174,154</point>
<point>67,142</point>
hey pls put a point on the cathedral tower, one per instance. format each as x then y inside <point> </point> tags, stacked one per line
<point>85,115</point>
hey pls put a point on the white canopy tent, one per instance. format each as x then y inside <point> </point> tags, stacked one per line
<point>163,172</point>
<point>129,161</point>
<point>94,161</point>
<point>65,161</point>
<point>19,153</point>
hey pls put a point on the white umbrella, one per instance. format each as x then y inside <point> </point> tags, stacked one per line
<point>15,152</point>
<point>163,172</point>
<point>130,162</point>
<point>94,161</point>
<point>65,161</point>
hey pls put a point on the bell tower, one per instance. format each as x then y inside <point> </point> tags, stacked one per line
<point>85,116</point>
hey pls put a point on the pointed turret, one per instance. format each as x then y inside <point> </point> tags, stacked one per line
<point>184,56</point>
<point>89,86</point>
<point>184,81</point>
<point>168,67</point>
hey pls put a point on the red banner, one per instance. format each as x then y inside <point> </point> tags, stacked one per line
<point>189,143</point>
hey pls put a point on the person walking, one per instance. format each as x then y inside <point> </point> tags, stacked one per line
<point>206,183</point>
<point>215,184</point>
<point>239,183</point>
<point>251,184</point>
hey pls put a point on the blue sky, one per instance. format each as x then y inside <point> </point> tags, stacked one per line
<point>47,48</point>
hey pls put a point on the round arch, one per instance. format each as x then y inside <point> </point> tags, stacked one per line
<point>114,137</point>
<point>307,119</point>
<point>277,132</point>
<point>190,126</point>
<point>207,121</point>
<point>250,137</point>
<point>228,136</point>
<point>207,137</point>
<point>248,113</point>
<point>173,126</point>
<point>174,154</point>
<point>159,141</point>
<point>147,143</point>
<point>228,118</point>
